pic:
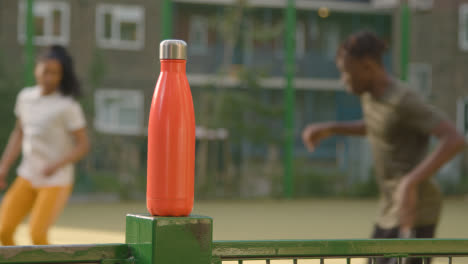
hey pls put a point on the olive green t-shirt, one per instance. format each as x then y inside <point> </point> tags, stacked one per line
<point>399,124</point>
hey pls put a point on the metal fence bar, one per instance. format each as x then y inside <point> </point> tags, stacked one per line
<point>64,253</point>
<point>399,260</point>
<point>373,248</point>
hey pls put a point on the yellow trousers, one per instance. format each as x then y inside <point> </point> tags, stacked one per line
<point>44,204</point>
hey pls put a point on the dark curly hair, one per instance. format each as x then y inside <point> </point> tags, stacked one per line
<point>363,45</point>
<point>69,85</point>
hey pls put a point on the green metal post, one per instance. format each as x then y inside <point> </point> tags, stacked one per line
<point>166,19</point>
<point>175,240</point>
<point>405,20</point>
<point>289,98</point>
<point>29,44</point>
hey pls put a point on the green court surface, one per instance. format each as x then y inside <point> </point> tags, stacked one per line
<point>99,222</point>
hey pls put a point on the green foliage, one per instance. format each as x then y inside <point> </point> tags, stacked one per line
<point>364,189</point>
<point>91,177</point>
<point>316,180</point>
<point>251,120</point>
<point>325,180</point>
<point>244,114</point>
<point>97,69</point>
<point>240,108</point>
<point>229,25</point>
<point>96,74</point>
<point>450,187</point>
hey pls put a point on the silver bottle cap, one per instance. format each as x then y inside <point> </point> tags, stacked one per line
<point>173,49</point>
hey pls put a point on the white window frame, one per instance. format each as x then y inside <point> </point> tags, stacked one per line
<point>132,98</point>
<point>300,39</point>
<point>421,5</point>
<point>119,13</point>
<point>384,3</point>
<point>45,9</point>
<point>463,27</point>
<point>198,24</point>
<point>414,71</point>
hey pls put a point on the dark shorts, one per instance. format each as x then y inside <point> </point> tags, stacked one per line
<point>418,232</point>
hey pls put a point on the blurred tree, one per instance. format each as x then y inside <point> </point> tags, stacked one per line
<point>87,169</point>
<point>115,163</point>
<point>240,110</point>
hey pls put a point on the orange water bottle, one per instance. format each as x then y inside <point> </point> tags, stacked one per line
<point>171,137</point>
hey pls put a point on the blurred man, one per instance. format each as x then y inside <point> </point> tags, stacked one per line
<point>398,124</point>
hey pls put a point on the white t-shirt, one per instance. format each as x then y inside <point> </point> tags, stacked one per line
<point>47,122</point>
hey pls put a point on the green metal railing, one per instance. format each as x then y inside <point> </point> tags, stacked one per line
<point>447,251</point>
<point>182,240</point>
<point>102,254</point>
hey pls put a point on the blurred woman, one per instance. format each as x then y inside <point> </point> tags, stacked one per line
<point>51,132</point>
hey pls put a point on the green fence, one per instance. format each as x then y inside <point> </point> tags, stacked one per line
<point>102,254</point>
<point>163,240</point>
<point>349,251</point>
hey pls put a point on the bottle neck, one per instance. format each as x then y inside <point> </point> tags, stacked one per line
<point>173,66</point>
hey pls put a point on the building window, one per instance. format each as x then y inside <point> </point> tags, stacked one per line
<point>120,26</point>
<point>314,30</point>
<point>249,43</point>
<point>51,22</point>
<point>300,40</point>
<point>279,43</point>
<point>420,78</point>
<point>463,27</point>
<point>119,111</point>
<point>332,40</point>
<point>421,5</point>
<point>198,35</point>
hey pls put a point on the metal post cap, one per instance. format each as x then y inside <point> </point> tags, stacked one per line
<point>173,49</point>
